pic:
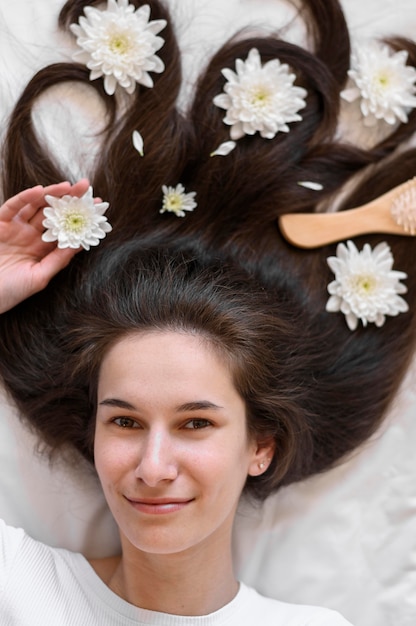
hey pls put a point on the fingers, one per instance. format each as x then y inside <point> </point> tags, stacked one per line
<point>59,189</point>
<point>37,221</point>
<point>27,203</point>
<point>15,204</point>
<point>80,187</point>
<point>36,217</point>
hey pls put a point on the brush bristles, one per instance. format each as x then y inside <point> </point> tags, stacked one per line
<point>403,208</point>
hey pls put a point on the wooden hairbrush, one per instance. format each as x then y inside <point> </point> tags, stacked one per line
<point>394,212</point>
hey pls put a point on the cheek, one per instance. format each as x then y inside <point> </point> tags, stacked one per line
<point>113,458</point>
<point>224,467</point>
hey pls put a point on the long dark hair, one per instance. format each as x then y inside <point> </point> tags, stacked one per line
<point>145,285</point>
<point>347,379</point>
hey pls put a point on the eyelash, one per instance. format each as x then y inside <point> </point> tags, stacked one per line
<point>205,424</point>
<point>194,424</point>
<point>131,422</point>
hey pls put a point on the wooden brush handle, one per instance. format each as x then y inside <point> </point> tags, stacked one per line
<point>312,230</point>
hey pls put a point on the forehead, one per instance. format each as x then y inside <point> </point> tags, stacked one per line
<point>164,344</point>
<point>166,362</point>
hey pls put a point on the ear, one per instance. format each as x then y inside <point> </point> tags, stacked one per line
<point>262,457</point>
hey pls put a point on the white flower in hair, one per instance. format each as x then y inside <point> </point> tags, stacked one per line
<point>74,222</point>
<point>260,98</point>
<point>175,200</point>
<point>384,84</point>
<point>366,287</point>
<point>119,43</point>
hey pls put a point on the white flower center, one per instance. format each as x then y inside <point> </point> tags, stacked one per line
<point>383,79</point>
<point>74,222</point>
<point>363,285</point>
<point>119,43</point>
<point>259,97</point>
<point>382,82</point>
<point>173,201</point>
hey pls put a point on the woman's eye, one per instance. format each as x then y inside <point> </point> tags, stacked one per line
<point>125,422</point>
<point>197,424</point>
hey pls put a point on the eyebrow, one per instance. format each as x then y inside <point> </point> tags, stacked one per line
<point>121,404</point>
<point>202,405</point>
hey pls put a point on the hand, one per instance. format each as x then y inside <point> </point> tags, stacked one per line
<point>26,262</point>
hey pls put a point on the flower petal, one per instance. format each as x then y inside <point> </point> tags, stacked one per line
<point>311,185</point>
<point>138,142</point>
<point>224,149</point>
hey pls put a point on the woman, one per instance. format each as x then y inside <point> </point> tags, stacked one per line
<point>165,373</point>
<point>310,360</point>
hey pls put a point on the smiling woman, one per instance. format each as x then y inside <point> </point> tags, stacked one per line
<point>173,372</point>
<point>195,355</point>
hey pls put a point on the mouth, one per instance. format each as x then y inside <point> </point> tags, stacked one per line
<point>162,506</point>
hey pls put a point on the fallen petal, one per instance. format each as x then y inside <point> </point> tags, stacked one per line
<point>311,185</point>
<point>224,148</point>
<point>138,142</point>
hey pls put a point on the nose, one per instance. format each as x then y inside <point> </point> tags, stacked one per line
<point>157,462</point>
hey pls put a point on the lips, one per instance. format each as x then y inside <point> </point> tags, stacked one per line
<point>159,506</point>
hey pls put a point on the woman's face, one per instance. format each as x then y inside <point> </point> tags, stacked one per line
<point>171,444</point>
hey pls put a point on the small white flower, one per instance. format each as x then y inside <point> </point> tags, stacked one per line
<point>310,184</point>
<point>224,148</point>
<point>119,43</point>
<point>175,200</point>
<point>260,98</point>
<point>366,287</point>
<point>384,84</point>
<point>74,222</point>
<point>138,142</point>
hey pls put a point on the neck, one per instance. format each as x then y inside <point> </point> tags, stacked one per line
<point>194,582</point>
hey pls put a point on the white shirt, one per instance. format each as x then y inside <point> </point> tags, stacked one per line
<point>43,586</point>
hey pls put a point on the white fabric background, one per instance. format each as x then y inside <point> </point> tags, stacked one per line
<point>346,539</point>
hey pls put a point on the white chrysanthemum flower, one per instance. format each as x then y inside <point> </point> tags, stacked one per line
<point>384,84</point>
<point>366,287</point>
<point>260,98</point>
<point>119,43</point>
<point>175,200</point>
<point>74,222</point>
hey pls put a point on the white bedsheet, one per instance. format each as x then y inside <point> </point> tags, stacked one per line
<point>346,539</point>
